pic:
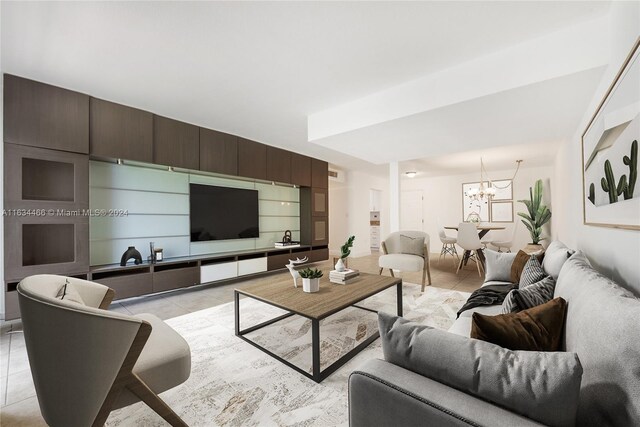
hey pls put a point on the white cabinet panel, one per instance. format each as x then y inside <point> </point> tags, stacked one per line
<point>252,266</point>
<point>213,272</point>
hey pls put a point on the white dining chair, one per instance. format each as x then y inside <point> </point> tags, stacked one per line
<point>448,245</point>
<point>469,240</point>
<point>506,244</point>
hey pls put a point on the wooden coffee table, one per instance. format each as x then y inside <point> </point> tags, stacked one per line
<point>316,306</point>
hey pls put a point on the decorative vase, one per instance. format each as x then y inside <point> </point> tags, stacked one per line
<point>131,252</point>
<point>533,248</point>
<point>340,265</point>
<point>311,285</point>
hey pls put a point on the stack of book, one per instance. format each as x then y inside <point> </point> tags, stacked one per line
<point>343,277</point>
<point>287,245</point>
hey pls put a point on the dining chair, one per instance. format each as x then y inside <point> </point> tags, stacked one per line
<point>87,361</point>
<point>406,251</point>
<point>507,244</point>
<point>469,240</point>
<point>448,245</point>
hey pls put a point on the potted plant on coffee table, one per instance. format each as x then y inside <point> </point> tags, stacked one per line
<point>345,251</point>
<point>310,279</point>
<point>536,216</point>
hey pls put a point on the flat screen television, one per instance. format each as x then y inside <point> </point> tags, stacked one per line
<point>222,213</point>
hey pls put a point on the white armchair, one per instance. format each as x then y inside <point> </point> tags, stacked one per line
<point>397,257</point>
<point>87,361</point>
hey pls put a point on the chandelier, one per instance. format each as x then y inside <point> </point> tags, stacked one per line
<point>482,192</point>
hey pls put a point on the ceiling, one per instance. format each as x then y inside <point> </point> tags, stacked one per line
<point>261,69</point>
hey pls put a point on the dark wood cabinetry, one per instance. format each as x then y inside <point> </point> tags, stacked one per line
<point>278,165</point>
<point>120,132</point>
<point>45,116</point>
<point>252,159</point>
<point>314,216</point>
<point>319,174</point>
<point>175,143</point>
<point>300,170</point>
<point>218,152</point>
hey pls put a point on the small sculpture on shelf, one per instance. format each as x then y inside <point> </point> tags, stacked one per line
<point>131,252</point>
<point>293,271</point>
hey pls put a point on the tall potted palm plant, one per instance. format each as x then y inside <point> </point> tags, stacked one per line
<point>536,216</point>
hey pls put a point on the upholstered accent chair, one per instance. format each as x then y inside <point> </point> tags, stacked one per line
<point>402,253</point>
<point>87,361</point>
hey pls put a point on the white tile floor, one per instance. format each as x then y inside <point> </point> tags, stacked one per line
<point>18,402</point>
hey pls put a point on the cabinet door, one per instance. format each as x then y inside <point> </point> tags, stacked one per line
<point>45,116</point>
<point>120,132</point>
<point>175,143</point>
<point>320,231</point>
<point>252,159</point>
<point>278,165</point>
<point>218,152</point>
<point>319,202</point>
<point>319,174</point>
<point>300,170</point>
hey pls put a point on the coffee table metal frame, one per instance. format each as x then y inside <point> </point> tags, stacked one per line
<point>317,375</point>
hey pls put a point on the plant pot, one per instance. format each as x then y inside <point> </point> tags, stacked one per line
<point>340,266</point>
<point>532,248</point>
<point>311,285</point>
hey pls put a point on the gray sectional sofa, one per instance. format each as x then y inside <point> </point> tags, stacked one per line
<point>602,327</point>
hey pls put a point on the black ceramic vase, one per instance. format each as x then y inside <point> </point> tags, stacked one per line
<point>132,252</point>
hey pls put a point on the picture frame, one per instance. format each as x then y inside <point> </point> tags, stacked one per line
<point>504,189</point>
<point>609,148</point>
<point>502,211</point>
<point>470,206</point>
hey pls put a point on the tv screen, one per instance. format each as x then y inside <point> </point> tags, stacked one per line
<point>221,213</point>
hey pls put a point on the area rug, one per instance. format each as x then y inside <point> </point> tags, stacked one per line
<point>234,384</point>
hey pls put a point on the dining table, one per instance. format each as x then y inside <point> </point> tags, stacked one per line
<point>483,229</point>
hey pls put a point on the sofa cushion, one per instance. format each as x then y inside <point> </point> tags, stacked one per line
<point>555,257</point>
<point>535,329</point>
<point>541,386</point>
<point>603,327</point>
<point>532,273</point>
<point>498,265</point>
<point>530,296</point>
<point>411,245</point>
<point>402,262</point>
<point>68,292</point>
<point>518,264</point>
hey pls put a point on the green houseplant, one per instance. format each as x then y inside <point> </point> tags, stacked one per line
<point>310,279</point>
<point>345,251</point>
<point>537,213</point>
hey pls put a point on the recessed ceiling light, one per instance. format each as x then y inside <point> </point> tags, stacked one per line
<point>411,174</point>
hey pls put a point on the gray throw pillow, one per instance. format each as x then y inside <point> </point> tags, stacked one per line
<point>530,296</point>
<point>554,258</point>
<point>412,245</point>
<point>532,272</point>
<point>543,386</point>
<point>69,293</point>
<point>498,266</point>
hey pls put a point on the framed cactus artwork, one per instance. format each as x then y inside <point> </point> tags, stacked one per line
<point>611,191</point>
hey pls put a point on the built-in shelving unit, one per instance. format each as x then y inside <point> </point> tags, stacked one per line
<point>51,133</point>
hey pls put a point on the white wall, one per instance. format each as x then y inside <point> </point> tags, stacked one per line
<point>349,211</point>
<point>613,252</point>
<point>443,201</point>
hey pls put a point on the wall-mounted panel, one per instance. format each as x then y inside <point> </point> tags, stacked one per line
<point>218,152</point>
<point>110,251</point>
<point>252,159</point>
<point>139,226</point>
<point>300,170</point>
<point>278,165</point>
<point>139,202</point>
<point>46,116</point>
<point>319,173</point>
<point>175,143</point>
<point>110,175</point>
<point>118,131</point>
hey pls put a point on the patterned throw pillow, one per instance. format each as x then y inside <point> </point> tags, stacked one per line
<point>412,245</point>
<point>531,296</point>
<point>532,273</point>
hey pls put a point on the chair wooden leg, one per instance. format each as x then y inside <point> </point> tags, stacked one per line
<point>140,389</point>
<point>428,263</point>
<point>478,264</point>
<point>460,265</point>
<point>380,272</point>
<point>391,271</point>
